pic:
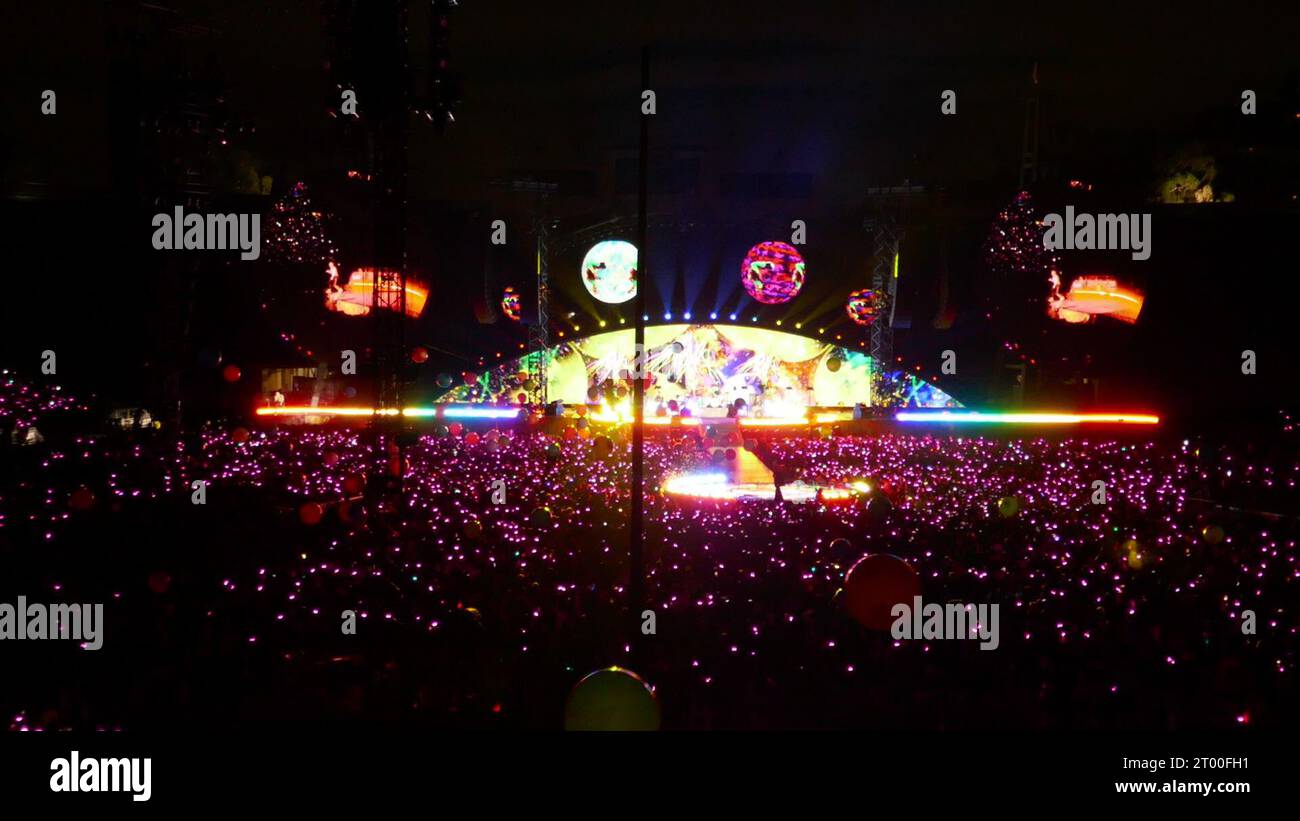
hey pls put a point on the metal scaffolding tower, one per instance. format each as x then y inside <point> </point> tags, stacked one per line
<point>884,280</point>
<point>539,335</point>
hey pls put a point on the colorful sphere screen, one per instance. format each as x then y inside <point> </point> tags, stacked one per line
<point>772,273</point>
<point>510,303</point>
<point>864,306</point>
<point>609,271</point>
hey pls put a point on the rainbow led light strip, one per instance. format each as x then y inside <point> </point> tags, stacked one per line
<point>982,418</point>
<point>744,421</point>
<point>649,420</point>
<point>446,412</point>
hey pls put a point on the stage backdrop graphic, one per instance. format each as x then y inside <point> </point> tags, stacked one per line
<point>706,366</point>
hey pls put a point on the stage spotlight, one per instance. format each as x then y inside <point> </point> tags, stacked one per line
<point>602,323</point>
<point>713,315</point>
<point>668,316</point>
<point>733,317</point>
<point>798,325</point>
<point>622,321</point>
<point>686,315</point>
<point>778,322</point>
<point>645,317</point>
<point>753,319</point>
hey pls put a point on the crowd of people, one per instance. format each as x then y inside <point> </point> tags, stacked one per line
<point>498,575</point>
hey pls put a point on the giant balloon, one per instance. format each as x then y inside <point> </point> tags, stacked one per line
<point>510,304</point>
<point>609,271</point>
<point>772,272</point>
<point>864,306</point>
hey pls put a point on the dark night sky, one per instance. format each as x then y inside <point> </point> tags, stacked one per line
<point>544,81</point>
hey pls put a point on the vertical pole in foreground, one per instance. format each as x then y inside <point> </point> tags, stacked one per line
<point>636,557</point>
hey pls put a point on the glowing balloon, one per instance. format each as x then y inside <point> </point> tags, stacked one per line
<point>878,507</point>
<point>510,304</point>
<point>874,585</point>
<point>1135,558</point>
<point>772,272</point>
<point>83,498</point>
<point>473,528</point>
<point>331,459</point>
<point>444,380</point>
<point>419,355</point>
<point>353,484</point>
<point>864,306</point>
<point>833,364</point>
<point>160,581</point>
<point>311,513</point>
<point>1213,534</point>
<point>239,436</point>
<point>541,517</point>
<point>352,512</point>
<point>612,699</point>
<point>1008,506</point>
<point>231,373</point>
<point>609,271</point>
